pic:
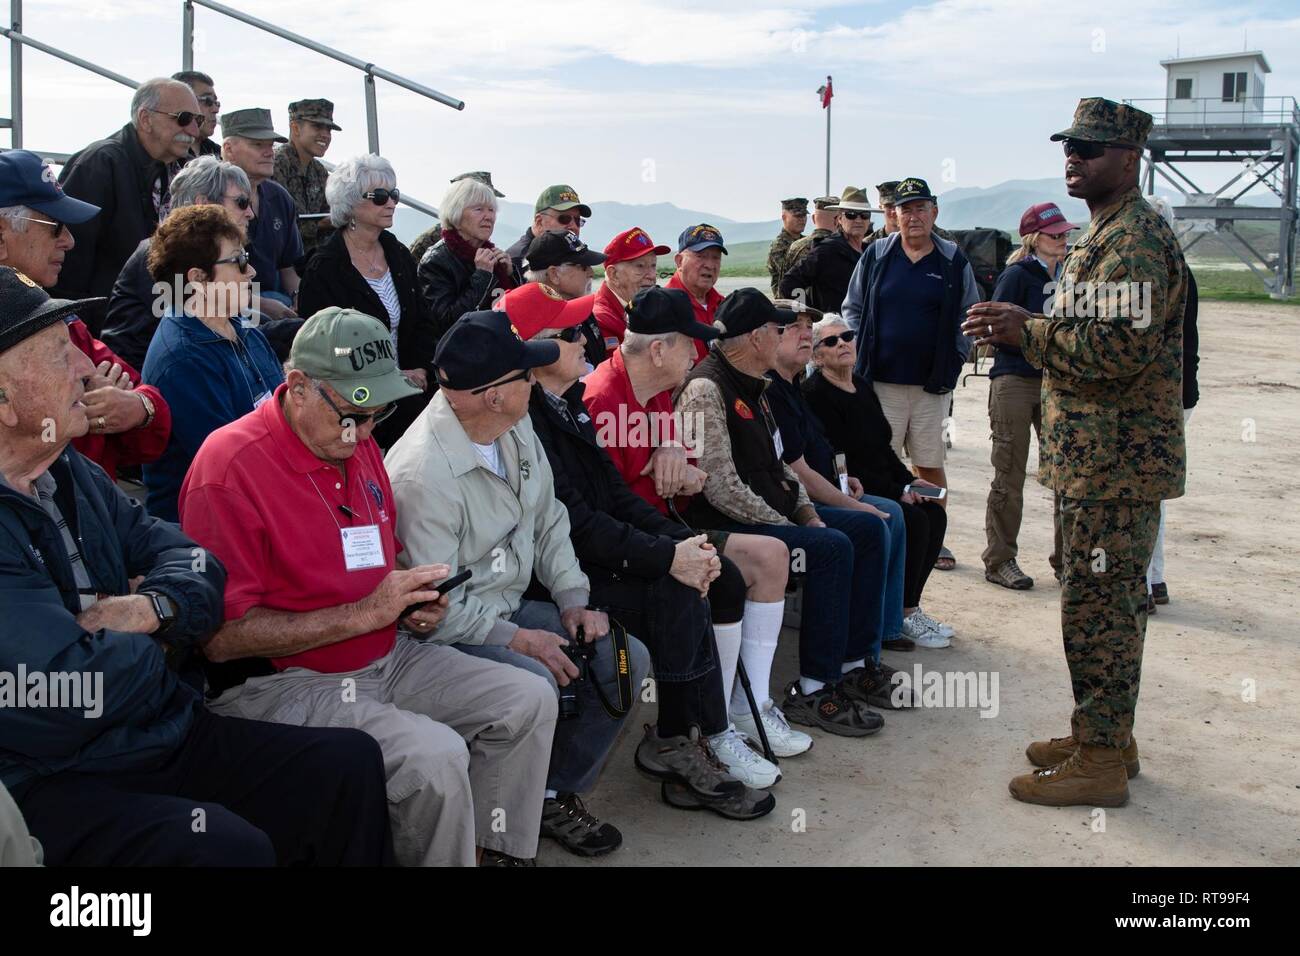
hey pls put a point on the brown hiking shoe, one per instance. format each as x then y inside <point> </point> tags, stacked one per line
<point>1091,777</point>
<point>1009,575</point>
<point>1048,753</point>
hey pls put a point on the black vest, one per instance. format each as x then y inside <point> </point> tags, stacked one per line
<point>751,428</point>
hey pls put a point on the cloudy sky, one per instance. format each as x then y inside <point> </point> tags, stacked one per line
<point>706,105</point>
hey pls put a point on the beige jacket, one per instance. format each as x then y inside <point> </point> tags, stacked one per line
<point>453,509</point>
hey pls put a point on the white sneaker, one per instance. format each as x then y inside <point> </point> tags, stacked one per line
<point>784,740</point>
<point>935,625</point>
<point>922,635</point>
<point>742,762</point>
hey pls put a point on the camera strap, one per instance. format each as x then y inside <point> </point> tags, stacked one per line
<point>622,670</point>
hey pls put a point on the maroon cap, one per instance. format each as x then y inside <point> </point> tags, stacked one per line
<point>1045,217</point>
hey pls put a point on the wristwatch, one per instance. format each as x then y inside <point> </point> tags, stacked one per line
<point>165,608</point>
<point>149,410</point>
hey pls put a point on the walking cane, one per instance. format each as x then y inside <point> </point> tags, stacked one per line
<point>741,674</point>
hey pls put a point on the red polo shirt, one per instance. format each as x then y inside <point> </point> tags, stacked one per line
<point>259,500</point>
<point>610,316</point>
<point>705,311</point>
<point>627,430</point>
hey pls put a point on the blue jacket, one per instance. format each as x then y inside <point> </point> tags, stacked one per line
<point>1025,284</point>
<point>208,381</point>
<point>960,293</point>
<point>146,711</point>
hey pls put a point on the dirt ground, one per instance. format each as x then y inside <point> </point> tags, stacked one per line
<point>1220,781</point>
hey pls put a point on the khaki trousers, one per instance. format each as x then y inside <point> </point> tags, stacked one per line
<point>1015,407</point>
<point>466,742</point>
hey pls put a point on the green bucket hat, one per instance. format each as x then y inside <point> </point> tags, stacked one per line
<point>353,353</point>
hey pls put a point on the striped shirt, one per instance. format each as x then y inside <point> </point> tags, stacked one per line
<point>46,487</point>
<point>387,293</point>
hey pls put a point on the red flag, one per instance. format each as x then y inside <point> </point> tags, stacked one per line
<point>825,92</point>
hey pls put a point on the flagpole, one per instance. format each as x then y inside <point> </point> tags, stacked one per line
<point>828,150</point>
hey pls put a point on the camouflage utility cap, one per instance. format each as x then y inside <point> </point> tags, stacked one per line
<point>1098,120</point>
<point>483,177</point>
<point>320,112</point>
<point>823,202</point>
<point>886,191</point>
<point>795,205</point>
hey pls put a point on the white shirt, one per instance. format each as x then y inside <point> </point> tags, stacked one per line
<point>491,457</point>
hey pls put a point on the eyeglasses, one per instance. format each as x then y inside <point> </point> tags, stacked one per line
<point>1086,149</point>
<point>564,219</point>
<point>239,260</point>
<point>355,419</point>
<point>856,215</point>
<point>58,226</point>
<point>242,201</point>
<point>209,99</point>
<point>572,335</point>
<point>845,337</point>
<point>184,118</point>
<point>380,197</point>
<point>525,376</point>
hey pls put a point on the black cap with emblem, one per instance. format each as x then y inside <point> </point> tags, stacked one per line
<point>26,309</point>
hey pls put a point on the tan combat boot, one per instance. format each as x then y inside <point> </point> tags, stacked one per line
<point>1048,753</point>
<point>1091,776</point>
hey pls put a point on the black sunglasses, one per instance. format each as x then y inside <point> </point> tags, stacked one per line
<point>208,99</point>
<point>1085,149</point>
<point>242,201</point>
<point>856,215</point>
<point>524,376</point>
<point>184,118</point>
<point>565,219</point>
<point>845,337</point>
<point>380,197</point>
<point>239,260</point>
<point>356,419</point>
<point>572,335</point>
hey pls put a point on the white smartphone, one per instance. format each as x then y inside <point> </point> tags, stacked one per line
<point>926,492</point>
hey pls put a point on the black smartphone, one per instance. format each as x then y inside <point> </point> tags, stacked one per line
<point>442,587</point>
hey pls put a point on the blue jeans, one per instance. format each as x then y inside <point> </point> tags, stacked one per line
<point>844,567</point>
<point>891,624</point>
<point>581,743</point>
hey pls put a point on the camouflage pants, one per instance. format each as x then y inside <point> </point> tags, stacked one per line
<point>1107,546</point>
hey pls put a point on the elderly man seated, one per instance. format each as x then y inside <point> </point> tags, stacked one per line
<point>558,207</point>
<point>562,262</point>
<point>475,491</point>
<point>631,264</point>
<point>111,759</point>
<point>699,263</point>
<point>129,422</point>
<point>294,499</point>
<point>655,576</point>
<point>750,488</point>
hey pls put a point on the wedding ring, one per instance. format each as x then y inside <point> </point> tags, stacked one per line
<point>990,330</point>
<point>100,423</point>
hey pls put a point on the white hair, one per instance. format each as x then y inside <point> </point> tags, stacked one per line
<point>463,194</point>
<point>534,275</point>
<point>635,343</point>
<point>827,320</point>
<point>208,177</point>
<point>149,94</point>
<point>17,216</point>
<point>350,179</point>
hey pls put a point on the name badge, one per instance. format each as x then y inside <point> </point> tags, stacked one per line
<point>777,443</point>
<point>363,547</point>
<point>257,402</point>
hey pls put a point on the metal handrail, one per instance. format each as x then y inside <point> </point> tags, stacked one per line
<point>1252,110</point>
<point>68,57</point>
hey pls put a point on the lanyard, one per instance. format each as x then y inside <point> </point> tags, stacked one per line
<point>349,511</point>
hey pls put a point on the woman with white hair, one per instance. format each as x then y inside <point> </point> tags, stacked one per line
<point>363,266</point>
<point>465,272</point>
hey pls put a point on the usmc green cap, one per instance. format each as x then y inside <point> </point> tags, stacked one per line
<point>1099,120</point>
<point>483,177</point>
<point>886,190</point>
<point>352,353</point>
<point>314,111</point>
<point>250,124</point>
<point>798,204</point>
<point>561,198</point>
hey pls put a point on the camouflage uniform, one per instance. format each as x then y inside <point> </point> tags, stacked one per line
<point>429,238</point>
<point>777,264</point>
<point>306,184</point>
<point>801,247</point>
<point>1112,437</point>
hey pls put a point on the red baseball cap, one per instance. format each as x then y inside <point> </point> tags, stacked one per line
<point>536,306</point>
<point>1045,217</point>
<point>632,244</point>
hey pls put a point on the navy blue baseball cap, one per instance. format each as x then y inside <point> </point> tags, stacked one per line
<point>27,180</point>
<point>703,236</point>
<point>655,310</point>
<point>482,347</point>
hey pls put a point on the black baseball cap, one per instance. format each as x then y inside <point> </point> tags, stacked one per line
<point>26,308</point>
<point>748,309</point>
<point>482,347</point>
<point>911,189</point>
<point>656,310</point>
<point>557,247</point>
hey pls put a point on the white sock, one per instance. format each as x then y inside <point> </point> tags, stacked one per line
<point>810,686</point>
<point>860,662</point>
<point>728,638</point>
<point>551,794</point>
<point>761,629</point>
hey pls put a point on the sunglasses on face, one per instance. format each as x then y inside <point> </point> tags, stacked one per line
<point>564,219</point>
<point>209,99</point>
<point>572,335</point>
<point>856,215</point>
<point>380,197</point>
<point>58,226</point>
<point>239,260</point>
<point>1088,150</point>
<point>242,201</point>
<point>356,419</point>
<point>184,118</point>
<point>845,337</point>
<point>525,376</point>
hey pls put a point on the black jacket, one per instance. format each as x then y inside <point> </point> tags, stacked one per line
<point>855,425</point>
<point>1023,283</point>
<point>451,286</point>
<point>519,250</point>
<point>117,175</point>
<point>615,532</point>
<point>824,273</point>
<point>332,280</point>
<point>1191,344</point>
